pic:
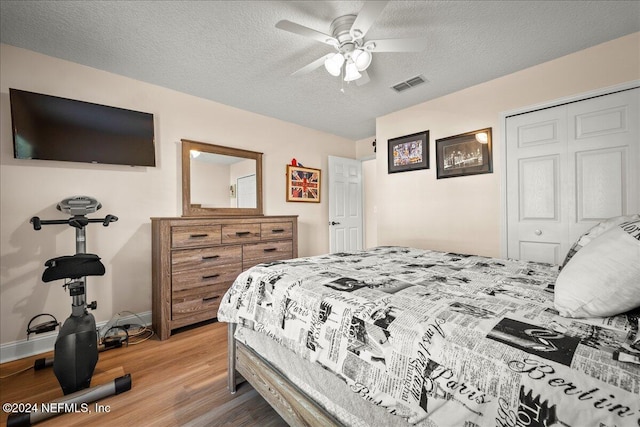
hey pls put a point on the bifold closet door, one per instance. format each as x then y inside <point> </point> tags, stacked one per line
<point>536,175</point>
<point>569,167</point>
<point>604,149</point>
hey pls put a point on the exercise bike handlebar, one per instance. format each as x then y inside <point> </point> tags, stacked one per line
<point>77,221</point>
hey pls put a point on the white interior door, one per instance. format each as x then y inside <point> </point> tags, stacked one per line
<point>569,167</point>
<point>246,191</point>
<point>345,204</point>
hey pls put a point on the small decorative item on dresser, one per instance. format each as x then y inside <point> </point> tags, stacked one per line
<point>303,184</point>
<point>408,153</point>
<point>465,154</point>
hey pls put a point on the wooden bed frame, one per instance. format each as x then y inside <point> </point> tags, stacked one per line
<point>291,403</point>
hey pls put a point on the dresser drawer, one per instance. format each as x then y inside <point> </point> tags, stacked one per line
<point>276,230</point>
<point>257,253</point>
<point>240,233</point>
<point>197,302</point>
<point>195,260</point>
<point>220,275</point>
<point>186,236</point>
<point>190,259</point>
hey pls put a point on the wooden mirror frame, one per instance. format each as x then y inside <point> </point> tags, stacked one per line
<point>189,209</point>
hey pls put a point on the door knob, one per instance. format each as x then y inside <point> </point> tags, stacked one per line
<point>334,223</point>
<point>538,232</point>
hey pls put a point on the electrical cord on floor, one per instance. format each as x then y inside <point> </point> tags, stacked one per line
<point>16,373</point>
<point>115,336</point>
<point>136,333</point>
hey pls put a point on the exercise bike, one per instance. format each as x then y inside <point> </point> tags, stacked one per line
<point>77,345</point>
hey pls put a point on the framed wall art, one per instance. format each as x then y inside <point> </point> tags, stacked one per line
<point>408,153</point>
<point>303,184</point>
<point>465,154</point>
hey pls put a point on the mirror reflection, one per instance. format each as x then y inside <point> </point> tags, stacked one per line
<point>219,181</point>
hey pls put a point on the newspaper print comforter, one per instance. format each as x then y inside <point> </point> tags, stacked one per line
<point>444,339</point>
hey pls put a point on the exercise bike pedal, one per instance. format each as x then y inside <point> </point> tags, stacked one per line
<point>40,328</point>
<point>111,343</point>
<point>43,327</point>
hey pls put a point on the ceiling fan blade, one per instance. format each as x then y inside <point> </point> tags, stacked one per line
<point>315,64</point>
<point>367,16</point>
<point>364,79</point>
<point>301,30</point>
<point>398,45</point>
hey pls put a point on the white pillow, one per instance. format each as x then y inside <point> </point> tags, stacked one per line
<point>603,278</point>
<point>594,232</point>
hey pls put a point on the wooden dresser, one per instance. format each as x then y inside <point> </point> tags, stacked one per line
<point>195,260</point>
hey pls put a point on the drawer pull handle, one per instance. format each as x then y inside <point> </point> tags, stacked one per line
<point>242,233</point>
<point>278,230</point>
<point>209,299</point>
<point>195,236</point>
<point>270,249</point>
<point>212,276</point>
<point>205,258</point>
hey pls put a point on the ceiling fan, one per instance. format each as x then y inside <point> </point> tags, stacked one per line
<point>353,53</point>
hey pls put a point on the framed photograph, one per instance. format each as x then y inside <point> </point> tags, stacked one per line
<point>408,153</point>
<point>303,184</point>
<point>465,154</point>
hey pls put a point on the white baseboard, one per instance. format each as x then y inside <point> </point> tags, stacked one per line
<point>45,342</point>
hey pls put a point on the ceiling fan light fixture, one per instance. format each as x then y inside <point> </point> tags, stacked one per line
<point>361,58</point>
<point>347,35</point>
<point>333,64</point>
<point>351,72</point>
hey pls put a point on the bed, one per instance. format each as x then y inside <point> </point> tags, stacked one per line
<point>400,336</point>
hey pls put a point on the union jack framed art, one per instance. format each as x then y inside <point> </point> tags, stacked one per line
<point>303,184</point>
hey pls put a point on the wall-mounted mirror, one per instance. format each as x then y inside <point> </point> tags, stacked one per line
<point>219,180</point>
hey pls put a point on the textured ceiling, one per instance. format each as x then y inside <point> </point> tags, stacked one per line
<point>231,52</point>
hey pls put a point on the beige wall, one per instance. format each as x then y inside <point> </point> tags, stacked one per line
<point>464,214</point>
<point>364,148</point>
<point>365,152</point>
<point>29,188</point>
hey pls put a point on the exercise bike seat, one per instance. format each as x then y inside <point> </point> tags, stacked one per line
<point>72,267</point>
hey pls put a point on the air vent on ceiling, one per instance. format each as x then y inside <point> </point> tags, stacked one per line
<point>408,84</point>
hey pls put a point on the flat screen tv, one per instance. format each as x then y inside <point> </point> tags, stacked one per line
<point>47,127</point>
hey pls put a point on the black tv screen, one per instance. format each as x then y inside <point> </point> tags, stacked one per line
<point>47,127</point>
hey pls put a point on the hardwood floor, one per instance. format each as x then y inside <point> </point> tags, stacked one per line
<point>177,382</point>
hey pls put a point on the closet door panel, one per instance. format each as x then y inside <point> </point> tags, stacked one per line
<point>536,155</point>
<point>603,146</point>
<point>540,131</point>
<point>539,191</point>
<point>600,184</point>
<point>540,251</point>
